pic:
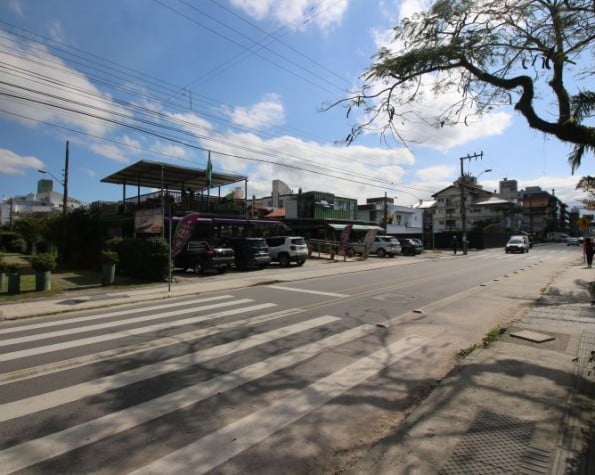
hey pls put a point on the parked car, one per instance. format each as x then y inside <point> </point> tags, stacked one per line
<point>573,241</point>
<point>517,244</point>
<point>250,253</point>
<point>288,249</point>
<point>382,246</point>
<point>200,256</point>
<point>410,246</point>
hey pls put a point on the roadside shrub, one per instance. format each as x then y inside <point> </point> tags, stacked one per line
<point>144,258</point>
<point>109,257</point>
<point>43,262</point>
<point>3,266</point>
<point>18,245</point>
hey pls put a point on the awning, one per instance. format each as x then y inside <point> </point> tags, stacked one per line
<point>155,175</point>
<point>356,227</point>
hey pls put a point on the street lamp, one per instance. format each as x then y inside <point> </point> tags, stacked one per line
<point>487,170</point>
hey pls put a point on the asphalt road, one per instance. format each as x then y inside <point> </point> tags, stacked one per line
<point>300,377</point>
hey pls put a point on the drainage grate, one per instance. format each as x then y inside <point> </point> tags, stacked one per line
<point>494,444</point>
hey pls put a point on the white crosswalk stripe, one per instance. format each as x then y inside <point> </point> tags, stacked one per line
<point>22,452</point>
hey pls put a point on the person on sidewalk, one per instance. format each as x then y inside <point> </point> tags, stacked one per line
<point>454,244</point>
<point>588,251</point>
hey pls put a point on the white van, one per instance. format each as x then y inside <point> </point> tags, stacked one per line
<point>517,243</point>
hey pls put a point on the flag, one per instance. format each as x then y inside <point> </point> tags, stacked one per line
<point>209,172</point>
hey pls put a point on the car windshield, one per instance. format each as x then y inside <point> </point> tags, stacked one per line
<point>298,241</point>
<point>516,240</point>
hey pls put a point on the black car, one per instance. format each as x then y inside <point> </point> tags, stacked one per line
<point>250,253</point>
<point>411,247</point>
<point>200,256</point>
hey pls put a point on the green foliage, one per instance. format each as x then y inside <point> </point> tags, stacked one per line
<point>43,262</point>
<point>18,245</point>
<point>485,55</point>
<point>109,257</point>
<point>33,227</point>
<point>144,258</point>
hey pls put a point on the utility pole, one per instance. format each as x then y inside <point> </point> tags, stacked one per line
<point>385,214</point>
<point>65,182</point>
<point>463,205</point>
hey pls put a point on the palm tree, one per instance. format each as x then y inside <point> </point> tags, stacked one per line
<point>583,106</point>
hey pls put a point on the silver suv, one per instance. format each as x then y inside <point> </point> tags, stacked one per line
<point>382,246</point>
<point>288,249</point>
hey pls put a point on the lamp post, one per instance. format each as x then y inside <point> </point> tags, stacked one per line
<point>63,182</point>
<point>487,170</point>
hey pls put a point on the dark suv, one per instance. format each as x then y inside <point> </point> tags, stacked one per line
<point>250,253</point>
<point>201,256</point>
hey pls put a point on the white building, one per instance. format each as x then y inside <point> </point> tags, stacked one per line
<point>44,201</point>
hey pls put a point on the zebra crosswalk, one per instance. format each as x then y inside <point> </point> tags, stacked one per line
<point>110,377</point>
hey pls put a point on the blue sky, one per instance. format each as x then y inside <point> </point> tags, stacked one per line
<point>246,79</point>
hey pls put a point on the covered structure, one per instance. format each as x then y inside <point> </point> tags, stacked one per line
<point>173,191</point>
<point>171,178</point>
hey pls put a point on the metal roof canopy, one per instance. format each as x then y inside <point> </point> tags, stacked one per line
<point>172,177</point>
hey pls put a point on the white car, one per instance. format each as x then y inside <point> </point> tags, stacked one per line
<point>573,241</point>
<point>382,246</point>
<point>288,249</point>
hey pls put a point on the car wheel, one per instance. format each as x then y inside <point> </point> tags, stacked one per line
<point>350,253</point>
<point>284,260</point>
<point>381,252</point>
<point>222,270</point>
<point>198,268</point>
<point>300,263</point>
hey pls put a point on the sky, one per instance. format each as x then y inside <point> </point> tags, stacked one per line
<point>247,81</point>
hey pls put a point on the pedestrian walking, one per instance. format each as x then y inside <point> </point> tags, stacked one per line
<point>588,251</point>
<point>454,244</point>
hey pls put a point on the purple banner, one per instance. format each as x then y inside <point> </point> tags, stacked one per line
<point>183,232</point>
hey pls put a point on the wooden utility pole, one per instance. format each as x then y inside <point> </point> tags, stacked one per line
<point>65,182</point>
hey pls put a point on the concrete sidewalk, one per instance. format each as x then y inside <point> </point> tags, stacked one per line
<point>515,406</point>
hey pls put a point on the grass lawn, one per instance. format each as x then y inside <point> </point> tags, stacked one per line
<point>62,281</point>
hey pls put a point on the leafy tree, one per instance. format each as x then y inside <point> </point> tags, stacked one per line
<point>34,227</point>
<point>493,53</point>
<point>587,184</point>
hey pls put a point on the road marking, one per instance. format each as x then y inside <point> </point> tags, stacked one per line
<point>98,316</point>
<point>41,402</point>
<point>40,350</point>
<point>79,361</point>
<point>52,445</point>
<point>220,446</point>
<point>119,323</point>
<point>306,291</point>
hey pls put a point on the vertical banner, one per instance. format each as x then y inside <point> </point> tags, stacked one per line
<point>183,232</point>
<point>345,238</point>
<point>368,241</point>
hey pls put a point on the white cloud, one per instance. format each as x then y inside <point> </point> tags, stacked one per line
<point>262,115</point>
<point>113,152</point>
<point>36,97</point>
<point>170,149</point>
<point>14,164</point>
<point>354,171</point>
<point>294,14</point>
<point>17,7</point>
<point>437,173</point>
